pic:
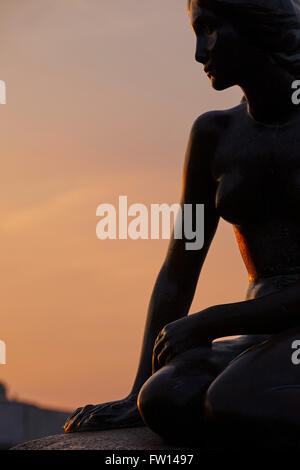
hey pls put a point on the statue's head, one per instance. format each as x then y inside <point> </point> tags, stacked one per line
<point>238,37</point>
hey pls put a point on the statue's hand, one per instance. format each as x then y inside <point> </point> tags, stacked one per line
<point>176,338</point>
<point>111,415</point>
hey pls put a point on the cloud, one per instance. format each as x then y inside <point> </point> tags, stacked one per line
<point>52,208</point>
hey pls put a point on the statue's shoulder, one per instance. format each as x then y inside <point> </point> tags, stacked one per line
<point>214,123</point>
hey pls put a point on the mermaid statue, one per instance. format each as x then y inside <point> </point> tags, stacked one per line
<point>243,164</point>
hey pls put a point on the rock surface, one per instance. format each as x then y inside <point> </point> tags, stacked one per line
<point>118,439</point>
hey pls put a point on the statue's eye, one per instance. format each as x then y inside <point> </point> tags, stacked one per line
<point>204,27</point>
<point>208,28</point>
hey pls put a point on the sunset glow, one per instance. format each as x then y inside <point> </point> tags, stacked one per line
<point>101,97</point>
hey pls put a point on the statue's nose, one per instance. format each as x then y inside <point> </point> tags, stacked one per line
<point>201,58</point>
<point>201,51</point>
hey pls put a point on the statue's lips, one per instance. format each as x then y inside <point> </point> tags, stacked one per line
<point>209,71</point>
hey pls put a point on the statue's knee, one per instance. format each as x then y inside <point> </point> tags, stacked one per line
<point>154,401</point>
<point>171,406</point>
<point>162,406</point>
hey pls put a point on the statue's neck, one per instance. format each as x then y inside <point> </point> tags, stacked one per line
<point>269,96</point>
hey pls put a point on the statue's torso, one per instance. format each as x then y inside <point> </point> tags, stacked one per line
<point>257,169</point>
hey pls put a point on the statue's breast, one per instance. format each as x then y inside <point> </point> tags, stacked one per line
<point>258,176</point>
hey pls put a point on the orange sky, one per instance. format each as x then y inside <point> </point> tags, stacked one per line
<point>100,99</point>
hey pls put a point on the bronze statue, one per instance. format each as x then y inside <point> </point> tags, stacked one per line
<point>244,165</point>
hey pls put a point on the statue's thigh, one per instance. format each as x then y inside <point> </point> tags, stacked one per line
<point>172,399</point>
<point>261,385</point>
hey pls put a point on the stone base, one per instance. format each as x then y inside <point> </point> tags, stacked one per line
<point>118,439</point>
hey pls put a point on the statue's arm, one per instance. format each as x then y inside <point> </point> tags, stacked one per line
<point>269,314</point>
<point>177,280</point>
<point>175,286</point>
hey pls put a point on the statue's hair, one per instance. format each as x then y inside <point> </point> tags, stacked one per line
<point>271,25</point>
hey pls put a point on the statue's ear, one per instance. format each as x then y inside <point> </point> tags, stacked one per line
<point>243,100</point>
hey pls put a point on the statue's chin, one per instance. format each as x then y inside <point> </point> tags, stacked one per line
<point>220,85</point>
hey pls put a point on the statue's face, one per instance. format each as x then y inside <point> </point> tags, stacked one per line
<point>219,46</point>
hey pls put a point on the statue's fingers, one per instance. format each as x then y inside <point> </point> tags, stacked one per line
<point>73,424</point>
<point>96,420</point>
<point>83,422</point>
<point>164,356</point>
<point>158,337</point>
<point>156,352</point>
<point>155,365</point>
<point>100,414</point>
<point>75,413</point>
<point>71,417</point>
<point>158,347</point>
<point>96,425</point>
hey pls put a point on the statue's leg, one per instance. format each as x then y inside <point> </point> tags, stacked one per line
<point>171,402</point>
<point>256,399</point>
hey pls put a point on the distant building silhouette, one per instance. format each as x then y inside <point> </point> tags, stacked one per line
<point>2,393</point>
<point>20,422</point>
